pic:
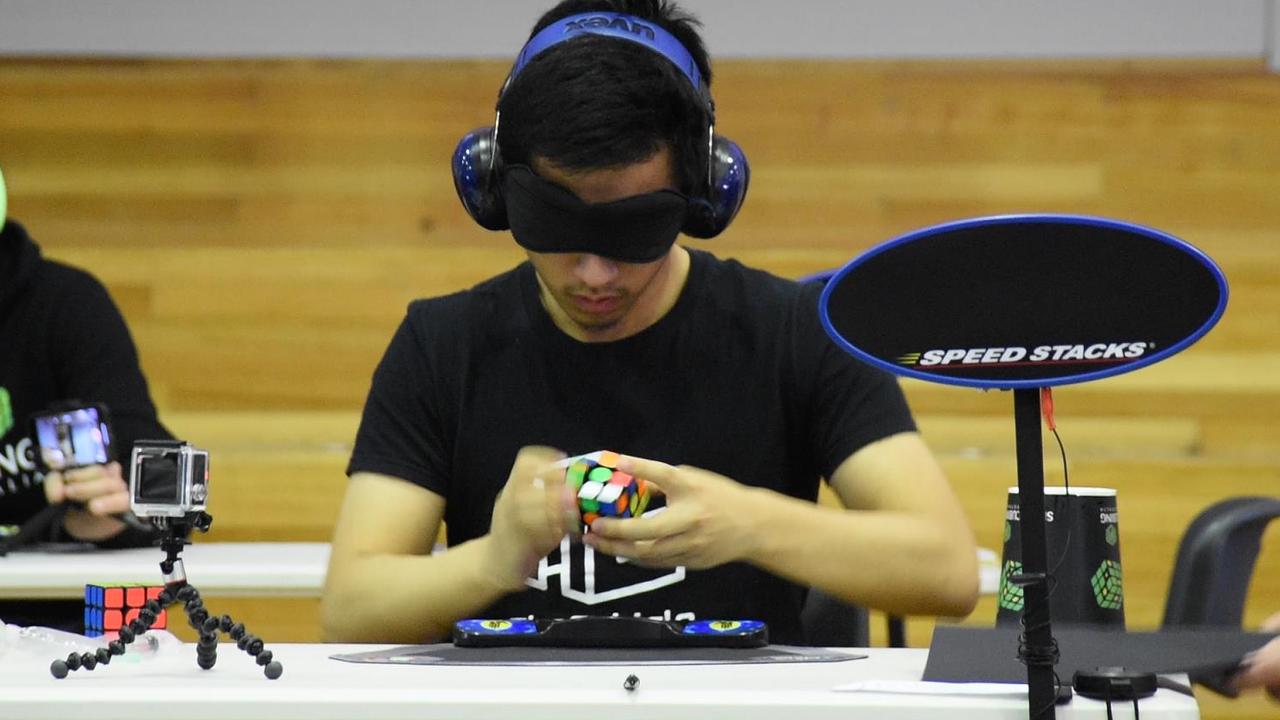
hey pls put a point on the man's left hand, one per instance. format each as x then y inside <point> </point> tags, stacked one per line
<point>709,519</point>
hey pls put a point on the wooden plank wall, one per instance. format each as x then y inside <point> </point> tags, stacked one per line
<point>264,223</point>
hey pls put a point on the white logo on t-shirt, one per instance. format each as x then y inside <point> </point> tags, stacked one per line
<point>590,594</point>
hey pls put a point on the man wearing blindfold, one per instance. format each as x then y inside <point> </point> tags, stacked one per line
<point>715,381</point>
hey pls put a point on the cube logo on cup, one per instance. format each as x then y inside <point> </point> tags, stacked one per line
<point>1010,596</point>
<point>1106,583</point>
<point>1083,544</point>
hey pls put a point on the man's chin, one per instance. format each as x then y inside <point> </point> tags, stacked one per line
<point>596,324</point>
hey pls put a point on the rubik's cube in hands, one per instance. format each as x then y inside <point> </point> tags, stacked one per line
<point>107,608</point>
<point>602,489</point>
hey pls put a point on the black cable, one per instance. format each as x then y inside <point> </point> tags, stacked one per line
<point>1049,655</point>
<point>1167,684</point>
<point>1035,655</point>
<point>37,527</point>
<point>1066,543</point>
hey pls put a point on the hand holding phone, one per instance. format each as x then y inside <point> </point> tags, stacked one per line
<point>74,448</point>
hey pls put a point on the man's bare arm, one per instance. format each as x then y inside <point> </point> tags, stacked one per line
<point>383,584</point>
<point>903,544</point>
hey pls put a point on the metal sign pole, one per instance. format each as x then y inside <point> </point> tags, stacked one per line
<point>1037,650</point>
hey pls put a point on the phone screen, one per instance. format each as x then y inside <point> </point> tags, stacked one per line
<point>72,438</point>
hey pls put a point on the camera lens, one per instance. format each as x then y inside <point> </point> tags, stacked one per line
<point>158,479</point>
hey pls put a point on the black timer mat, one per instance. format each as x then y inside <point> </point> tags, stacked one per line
<point>448,654</point>
<point>965,654</point>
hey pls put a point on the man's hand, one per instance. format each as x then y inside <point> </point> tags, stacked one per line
<point>709,519</point>
<point>1262,667</point>
<point>534,511</point>
<point>99,492</point>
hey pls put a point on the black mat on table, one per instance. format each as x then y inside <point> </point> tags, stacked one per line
<point>965,654</point>
<point>448,654</point>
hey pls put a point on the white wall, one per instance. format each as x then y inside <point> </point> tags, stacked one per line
<point>1273,37</point>
<point>780,28</point>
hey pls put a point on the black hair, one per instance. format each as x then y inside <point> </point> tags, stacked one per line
<point>597,102</point>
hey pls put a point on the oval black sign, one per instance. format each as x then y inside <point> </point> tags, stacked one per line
<point>1023,301</point>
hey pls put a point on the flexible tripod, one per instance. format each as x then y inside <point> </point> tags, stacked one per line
<point>177,589</point>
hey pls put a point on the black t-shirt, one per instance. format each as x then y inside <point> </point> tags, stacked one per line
<point>738,378</point>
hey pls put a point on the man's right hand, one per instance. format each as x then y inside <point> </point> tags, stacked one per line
<point>1261,668</point>
<point>534,511</point>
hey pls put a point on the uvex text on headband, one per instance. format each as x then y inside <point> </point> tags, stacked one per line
<point>477,167</point>
<point>548,218</point>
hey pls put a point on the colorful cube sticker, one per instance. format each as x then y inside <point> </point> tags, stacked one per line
<point>602,489</point>
<point>107,608</point>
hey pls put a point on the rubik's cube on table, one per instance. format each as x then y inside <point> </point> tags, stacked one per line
<point>107,608</point>
<point>602,489</point>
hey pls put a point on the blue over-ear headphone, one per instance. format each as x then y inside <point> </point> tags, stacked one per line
<point>477,165</point>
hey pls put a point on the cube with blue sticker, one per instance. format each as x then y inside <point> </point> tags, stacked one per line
<point>107,608</point>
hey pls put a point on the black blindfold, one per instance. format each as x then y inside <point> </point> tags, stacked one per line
<point>548,218</point>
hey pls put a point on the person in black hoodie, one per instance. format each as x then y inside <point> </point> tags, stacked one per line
<point>62,338</point>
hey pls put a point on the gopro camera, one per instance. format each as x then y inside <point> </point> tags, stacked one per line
<point>72,436</point>
<point>168,479</point>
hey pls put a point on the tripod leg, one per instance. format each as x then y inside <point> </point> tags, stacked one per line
<point>252,645</point>
<point>128,633</point>
<point>207,648</point>
<point>198,618</point>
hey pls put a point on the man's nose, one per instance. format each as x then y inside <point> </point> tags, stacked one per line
<point>595,271</point>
